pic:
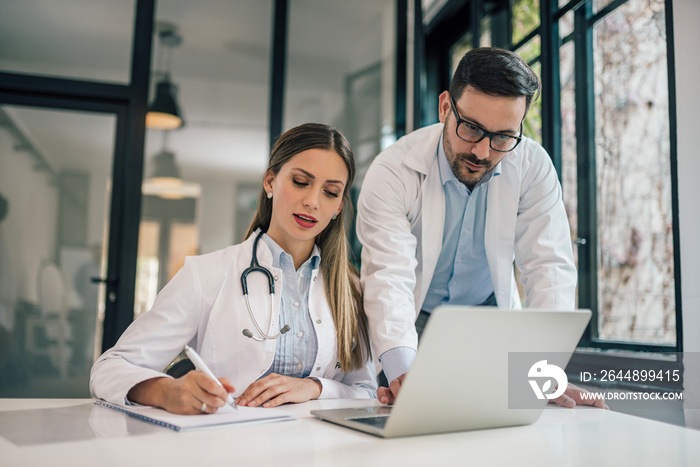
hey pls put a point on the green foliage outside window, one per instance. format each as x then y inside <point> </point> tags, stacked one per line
<point>526,17</point>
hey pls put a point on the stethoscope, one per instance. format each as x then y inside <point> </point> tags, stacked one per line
<point>255,267</point>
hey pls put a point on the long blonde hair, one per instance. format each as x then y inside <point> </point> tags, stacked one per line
<point>340,277</point>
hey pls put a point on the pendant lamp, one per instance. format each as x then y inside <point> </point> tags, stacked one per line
<point>164,112</point>
<point>165,170</point>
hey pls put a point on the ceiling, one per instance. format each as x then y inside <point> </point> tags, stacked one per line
<point>221,69</point>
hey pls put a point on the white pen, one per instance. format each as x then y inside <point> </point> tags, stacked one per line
<point>201,366</point>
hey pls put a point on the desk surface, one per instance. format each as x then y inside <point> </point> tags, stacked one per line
<point>29,435</point>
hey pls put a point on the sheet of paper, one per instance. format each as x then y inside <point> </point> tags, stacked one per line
<point>224,416</point>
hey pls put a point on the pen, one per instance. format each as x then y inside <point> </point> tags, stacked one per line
<point>201,366</point>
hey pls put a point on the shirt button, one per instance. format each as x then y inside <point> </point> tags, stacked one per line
<point>299,366</point>
<point>300,334</point>
<point>314,278</point>
<point>318,321</point>
<point>318,368</point>
<point>296,303</point>
<point>277,277</point>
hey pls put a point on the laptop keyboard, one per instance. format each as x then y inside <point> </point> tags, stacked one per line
<point>377,422</point>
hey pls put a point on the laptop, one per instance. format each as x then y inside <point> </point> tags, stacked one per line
<point>460,378</point>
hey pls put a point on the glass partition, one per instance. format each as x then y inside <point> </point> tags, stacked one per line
<point>83,39</point>
<point>221,70</point>
<point>340,71</point>
<point>55,192</point>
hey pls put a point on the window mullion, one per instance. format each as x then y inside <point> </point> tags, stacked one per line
<point>551,89</point>
<point>586,167</point>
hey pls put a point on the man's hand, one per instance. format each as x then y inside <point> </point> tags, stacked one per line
<point>274,390</point>
<point>388,395</point>
<point>572,397</point>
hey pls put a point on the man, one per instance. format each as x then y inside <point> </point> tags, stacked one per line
<point>444,212</point>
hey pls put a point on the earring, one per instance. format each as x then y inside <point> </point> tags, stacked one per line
<point>335,216</point>
<point>269,195</point>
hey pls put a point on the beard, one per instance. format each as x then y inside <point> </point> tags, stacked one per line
<point>462,172</point>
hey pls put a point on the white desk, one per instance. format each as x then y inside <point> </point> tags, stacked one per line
<point>584,436</point>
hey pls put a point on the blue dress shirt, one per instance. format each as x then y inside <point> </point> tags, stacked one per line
<point>296,349</point>
<point>462,274</point>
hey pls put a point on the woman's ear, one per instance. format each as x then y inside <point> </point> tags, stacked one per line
<point>268,179</point>
<point>340,209</point>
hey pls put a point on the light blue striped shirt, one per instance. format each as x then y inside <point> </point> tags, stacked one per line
<point>296,349</point>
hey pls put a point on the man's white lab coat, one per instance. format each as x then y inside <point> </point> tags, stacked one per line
<point>400,222</point>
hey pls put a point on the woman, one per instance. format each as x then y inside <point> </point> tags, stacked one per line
<point>299,236</point>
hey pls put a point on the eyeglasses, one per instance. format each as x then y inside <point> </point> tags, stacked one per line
<point>472,133</point>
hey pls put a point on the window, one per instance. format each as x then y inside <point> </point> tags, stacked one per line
<point>525,18</point>
<point>617,182</point>
<point>609,137</point>
<point>636,297</point>
<point>532,127</point>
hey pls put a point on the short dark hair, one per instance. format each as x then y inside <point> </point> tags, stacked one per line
<point>496,72</point>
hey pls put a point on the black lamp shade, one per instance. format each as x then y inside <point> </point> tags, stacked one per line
<point>165,170</point>
<point>164,113</point>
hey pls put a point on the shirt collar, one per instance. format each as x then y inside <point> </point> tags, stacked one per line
<point>447,175</point>
<point>280,257</point>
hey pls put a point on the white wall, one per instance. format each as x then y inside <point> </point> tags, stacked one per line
<point>687,39</point>
<point>686,15</point>
<point>215,216</point>
<point>99,203</point>
<point>29,231</point>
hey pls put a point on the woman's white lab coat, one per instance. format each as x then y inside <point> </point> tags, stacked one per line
<point>203,306</point>
<point>400,222</point>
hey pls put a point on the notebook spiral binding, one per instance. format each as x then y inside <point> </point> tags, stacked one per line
<point>135,415</point>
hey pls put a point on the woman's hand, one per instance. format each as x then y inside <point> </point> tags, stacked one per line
<point>185,395</point>
<point>274,390</point>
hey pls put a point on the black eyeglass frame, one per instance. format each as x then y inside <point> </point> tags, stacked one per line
<point>488,134</point>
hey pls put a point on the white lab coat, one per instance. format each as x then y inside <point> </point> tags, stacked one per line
<point>400,222</point>
<point>203,306</point>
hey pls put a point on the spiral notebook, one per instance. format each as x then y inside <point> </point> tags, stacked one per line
<point>222,417</point>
